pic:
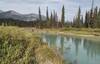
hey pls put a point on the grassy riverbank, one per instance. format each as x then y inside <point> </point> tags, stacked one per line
<point>89,33</point>
<point>69,31</point>
<point>20,46</point>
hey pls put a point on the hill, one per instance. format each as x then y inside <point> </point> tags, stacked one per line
<point>11,14</point>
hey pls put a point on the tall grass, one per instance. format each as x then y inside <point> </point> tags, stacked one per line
<point>18,46</point>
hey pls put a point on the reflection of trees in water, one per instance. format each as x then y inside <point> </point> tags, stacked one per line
<point>77,42</point>
<point>55,41</point>
<point>68,38</point>
<point>51,39</point>
<point>92,48</point>
<point>62,45</point>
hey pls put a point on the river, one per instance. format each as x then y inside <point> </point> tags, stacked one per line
<point>76,50</point>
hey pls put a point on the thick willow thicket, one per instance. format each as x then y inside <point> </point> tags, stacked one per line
<point>18,46</point>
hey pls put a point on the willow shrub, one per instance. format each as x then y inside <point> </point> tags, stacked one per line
<point>18,46</point>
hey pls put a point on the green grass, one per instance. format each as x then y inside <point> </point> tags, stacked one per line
<point>19,46</point>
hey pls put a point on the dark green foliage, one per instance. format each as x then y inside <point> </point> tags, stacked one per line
<point>47,14</point>
<point>78,20</point>
<point>86,23</point>
<point>91,22</point>
<point>63,16</point>
<point>51,19</point>
<point>11,22</point>
<point>40,19</point>
<point>92,18</point>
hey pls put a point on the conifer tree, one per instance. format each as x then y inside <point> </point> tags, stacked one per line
<point>81,21</point>
<point>99,12</point>
<point>79,18</point>
<point>47,14</point>
<point>95,17</point>
<point>40,19</point>
<point>63,16</point>
<point>47,18</point>
<point>91,23</point>
<point>86,24</point>
<point>96,11</point>
<point>51,19</point>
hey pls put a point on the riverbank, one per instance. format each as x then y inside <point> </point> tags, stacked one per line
<point>20,46</point>
<point>88,33</point>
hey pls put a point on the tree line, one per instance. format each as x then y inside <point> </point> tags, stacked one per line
<point>90,20</point>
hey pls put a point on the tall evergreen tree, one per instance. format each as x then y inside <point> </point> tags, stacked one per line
<point>95,17</point>
<point>47,14</point>
<point>54,21</point>
<point>99,12</point>
<point>63,16</point>
<point>81,21</point>
<point>86,24</point>
<point>79,18</point>
<point>51,19</point>
<point>40,19</point>
<point>96,11</point>
<point>56,17</point>
<point>91,22</point>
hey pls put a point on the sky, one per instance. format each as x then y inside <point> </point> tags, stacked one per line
<point>31,6</point>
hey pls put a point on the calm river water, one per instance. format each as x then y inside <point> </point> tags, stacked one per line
<point>75,50</point>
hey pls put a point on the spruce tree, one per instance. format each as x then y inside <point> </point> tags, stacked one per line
<point>86,24</point>
<point>81,21</point>
<point>40,19</point>
<point>99,12</point>
<point>96,11</point>
<point>63,16</point>
<point>51,19</point>
<point>47,18</point>
<point>91,22</point>
<point>79,18</point>
<point>56,19</point>
<point>95,17</point>
<point>47,14</point>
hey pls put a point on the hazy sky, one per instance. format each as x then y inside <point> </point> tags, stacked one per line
<point>31,6</point>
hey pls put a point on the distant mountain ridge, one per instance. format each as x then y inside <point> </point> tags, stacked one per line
<point>1,11</point>
<point>11,14</point>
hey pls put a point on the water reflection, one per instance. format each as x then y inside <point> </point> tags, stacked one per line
<point>76,50</point>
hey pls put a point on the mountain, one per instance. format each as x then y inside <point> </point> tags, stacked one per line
<point>18,16</point>
<point>1,11</point>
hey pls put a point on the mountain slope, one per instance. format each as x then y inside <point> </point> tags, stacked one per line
<point>17,16</point>
<point>1,11</point>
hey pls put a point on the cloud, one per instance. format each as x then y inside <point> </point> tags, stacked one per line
<point>32,1</point>
<point>27,6</point>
